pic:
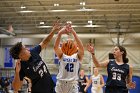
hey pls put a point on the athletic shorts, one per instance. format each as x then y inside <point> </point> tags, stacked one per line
<point>96,90</point>
<point>66,87</point>
<point>116,90</point>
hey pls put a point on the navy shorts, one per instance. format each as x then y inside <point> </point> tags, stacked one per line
<point>116,90</point>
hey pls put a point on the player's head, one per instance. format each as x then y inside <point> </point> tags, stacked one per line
<point>82,72</point>
<point>18,51</point>
<point>96,71</point>
<point>120,51</point>
<point>69,47</point>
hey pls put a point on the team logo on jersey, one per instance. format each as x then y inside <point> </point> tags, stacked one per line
<point>69,59</point>
<point>117,70</point>
<point>41,68</point>
<point>35,68</point>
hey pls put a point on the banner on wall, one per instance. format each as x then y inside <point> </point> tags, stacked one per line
<point>8,62</point>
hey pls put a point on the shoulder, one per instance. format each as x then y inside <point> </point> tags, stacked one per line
<point>100,75</point>
<point>36,48</point>
<point>127,65</point>
<point>111,62</point>
<point>130,66</point>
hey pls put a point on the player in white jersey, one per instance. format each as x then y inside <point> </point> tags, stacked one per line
<point>97,82</point>
<point>67,78</point>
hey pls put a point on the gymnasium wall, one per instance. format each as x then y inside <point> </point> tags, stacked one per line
<point>1,57</point>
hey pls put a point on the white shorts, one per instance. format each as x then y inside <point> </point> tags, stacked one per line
<point>96,90</point>
<point>66,87</point>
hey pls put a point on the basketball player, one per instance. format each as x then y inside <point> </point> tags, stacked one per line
<point>30,64</point>
<point>119,72</point>
<point>67,78</point>
<point>83,81</point>
<point>97,82</point>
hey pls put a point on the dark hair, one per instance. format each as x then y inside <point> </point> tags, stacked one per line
<point>122,49</point>
<point>15,50</point>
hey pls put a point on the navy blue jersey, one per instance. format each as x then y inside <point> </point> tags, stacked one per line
<point>37,71</point>
<point>81,85</point>
<point>117,74</point>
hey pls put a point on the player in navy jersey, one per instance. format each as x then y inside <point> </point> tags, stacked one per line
<point>30,64</point>
<point>67,78</point>
<point>83,81</point>
<point>118,69</point>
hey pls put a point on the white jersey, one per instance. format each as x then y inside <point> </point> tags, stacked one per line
<point>95,83</point>
<point>95,80</point>
<point>68,68</point>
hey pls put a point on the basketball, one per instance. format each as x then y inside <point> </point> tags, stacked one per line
<point>69,47</point>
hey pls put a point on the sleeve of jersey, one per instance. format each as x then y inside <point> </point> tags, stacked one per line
<point>36,49</point>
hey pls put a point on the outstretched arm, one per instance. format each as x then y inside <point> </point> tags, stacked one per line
<point>57,49</point>
<point>90,48</point>
<point>46,40</point>
<point>79,43</point>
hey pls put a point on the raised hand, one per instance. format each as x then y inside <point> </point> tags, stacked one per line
<point>132,85</point>
<point>65,29</point>
<point>56,26</point>
<point>90,48</point>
